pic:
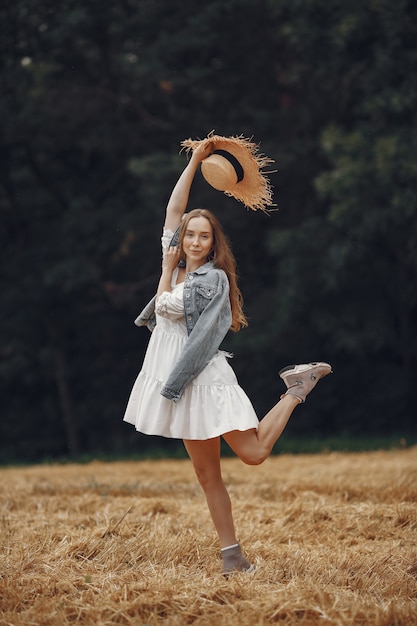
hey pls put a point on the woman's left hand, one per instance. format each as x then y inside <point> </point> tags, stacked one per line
<point>170,258</point>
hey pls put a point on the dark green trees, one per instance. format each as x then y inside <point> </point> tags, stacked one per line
<point>95,100</point>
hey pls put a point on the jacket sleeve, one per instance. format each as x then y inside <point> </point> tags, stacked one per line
<point>203,341</point>
<point>147,316</point>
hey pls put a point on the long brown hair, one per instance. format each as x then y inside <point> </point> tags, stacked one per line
<point>223,259</point>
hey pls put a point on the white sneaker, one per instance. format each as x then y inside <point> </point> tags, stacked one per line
<point>234,561</point>
<point>301,379</point>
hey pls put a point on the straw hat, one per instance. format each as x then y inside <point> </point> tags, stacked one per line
<point>234,167</point>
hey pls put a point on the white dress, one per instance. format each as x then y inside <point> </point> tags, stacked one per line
<point>212,403</point>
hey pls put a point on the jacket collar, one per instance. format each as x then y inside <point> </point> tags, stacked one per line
<point>203,269</point>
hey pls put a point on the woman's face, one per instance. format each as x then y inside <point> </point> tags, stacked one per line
<point>198,240</point>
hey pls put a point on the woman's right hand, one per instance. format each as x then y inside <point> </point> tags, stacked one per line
<point>202,151</point>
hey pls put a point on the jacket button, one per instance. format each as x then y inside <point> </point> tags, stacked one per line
<point>190,276</point>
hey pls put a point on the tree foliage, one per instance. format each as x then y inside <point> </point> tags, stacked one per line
<point>96,99</point>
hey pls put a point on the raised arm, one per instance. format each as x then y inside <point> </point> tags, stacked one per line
<point>178,201</point>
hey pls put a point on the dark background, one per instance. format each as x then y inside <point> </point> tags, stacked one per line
<point>95,100</point>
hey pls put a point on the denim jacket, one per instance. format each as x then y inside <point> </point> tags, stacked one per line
<point>208,318</point>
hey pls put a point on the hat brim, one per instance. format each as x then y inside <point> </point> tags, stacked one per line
<point>254,190</point>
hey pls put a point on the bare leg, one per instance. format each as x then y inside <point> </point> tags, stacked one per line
<point>252,446</point>
<point>205,456</point>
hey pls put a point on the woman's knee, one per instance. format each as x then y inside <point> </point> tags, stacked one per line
<point>252,457</point>
<point>207,477</point>
<point>205,457</point>
<point>247,448</point>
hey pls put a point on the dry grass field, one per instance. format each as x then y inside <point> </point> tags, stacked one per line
<point>333,537</point>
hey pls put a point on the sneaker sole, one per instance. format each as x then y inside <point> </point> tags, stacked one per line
<point>250,570</point>
<point>299,369</point>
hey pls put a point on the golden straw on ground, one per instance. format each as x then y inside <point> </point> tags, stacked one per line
<point>333,537</point>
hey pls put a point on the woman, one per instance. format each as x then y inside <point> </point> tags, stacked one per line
<point>186,388</point>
